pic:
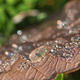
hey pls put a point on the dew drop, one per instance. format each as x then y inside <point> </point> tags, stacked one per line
<point>37,54</point>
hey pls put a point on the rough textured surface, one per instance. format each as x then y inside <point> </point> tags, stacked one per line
<point>44,53</point>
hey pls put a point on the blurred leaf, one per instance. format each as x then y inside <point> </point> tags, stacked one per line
<point>2,14</point>
<point>11,10</point>
<point>22,7</point>
<point>9,28</point>
<point>30,3</point>
<point>59,77</point>
<point>10,2</point>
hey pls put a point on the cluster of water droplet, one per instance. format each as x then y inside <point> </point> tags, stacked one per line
<point>68,51</point>
<point>8,57</point>
<point>56,48</point>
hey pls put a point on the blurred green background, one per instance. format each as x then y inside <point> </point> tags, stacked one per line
<point>10,8</point>
<point>33,12</point>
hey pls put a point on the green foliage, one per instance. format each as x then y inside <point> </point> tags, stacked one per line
<point>59,77</point>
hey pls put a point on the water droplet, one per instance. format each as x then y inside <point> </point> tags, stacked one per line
<point>37,54</point>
